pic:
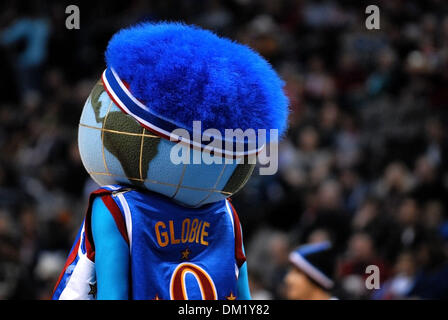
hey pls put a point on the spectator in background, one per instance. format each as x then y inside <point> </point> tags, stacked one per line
<point>410,229</point>
<point>269,262</point>
<point>360,254</point>
<point>401,282</point>
<point>328,214</point>
<point>428,185</point>
<point>33,30</point>
<point>371,219</point>
<point>431,280</point>
<point>258,286</point>
<point>310,276</point>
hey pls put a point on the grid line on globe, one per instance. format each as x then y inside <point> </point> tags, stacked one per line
<point>180,181</point>
<point>102,136</point>
<point>144,135</point>
<point>141,153</point>
<point>100,113</point>
<point>214,186</point>
<point>119,132</point>
<point>161,182</point>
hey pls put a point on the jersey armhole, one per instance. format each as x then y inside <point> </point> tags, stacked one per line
<point>114,210</point>
<point>116,213</point>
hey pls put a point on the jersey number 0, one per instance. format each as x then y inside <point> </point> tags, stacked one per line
<point>178,289</point>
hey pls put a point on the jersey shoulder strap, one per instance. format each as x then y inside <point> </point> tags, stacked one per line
<point>106,193</point>
<point>114,209</point>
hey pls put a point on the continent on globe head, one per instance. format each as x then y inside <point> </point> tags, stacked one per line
<point>125,139</point>
<point>120,131</point>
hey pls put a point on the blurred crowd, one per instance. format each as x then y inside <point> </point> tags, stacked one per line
<point>364,163</point>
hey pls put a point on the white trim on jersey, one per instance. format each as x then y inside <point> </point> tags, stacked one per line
<point>112,187</point>
<point>127,217</point>
<point>82,277</point>
<point>229,211</point>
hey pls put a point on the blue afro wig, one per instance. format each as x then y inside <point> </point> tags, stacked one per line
<point>184,73</point>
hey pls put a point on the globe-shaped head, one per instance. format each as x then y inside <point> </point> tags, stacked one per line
<point>165,77</point>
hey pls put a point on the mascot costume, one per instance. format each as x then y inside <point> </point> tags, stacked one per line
<point>159,228</point>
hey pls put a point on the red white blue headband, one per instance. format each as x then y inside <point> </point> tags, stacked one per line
<point>130,105</point>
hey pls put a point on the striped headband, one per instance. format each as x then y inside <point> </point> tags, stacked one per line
<point>130,105</point>
<point>308,268</point>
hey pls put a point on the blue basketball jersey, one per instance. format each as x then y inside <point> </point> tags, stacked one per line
<point>175,252</point>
